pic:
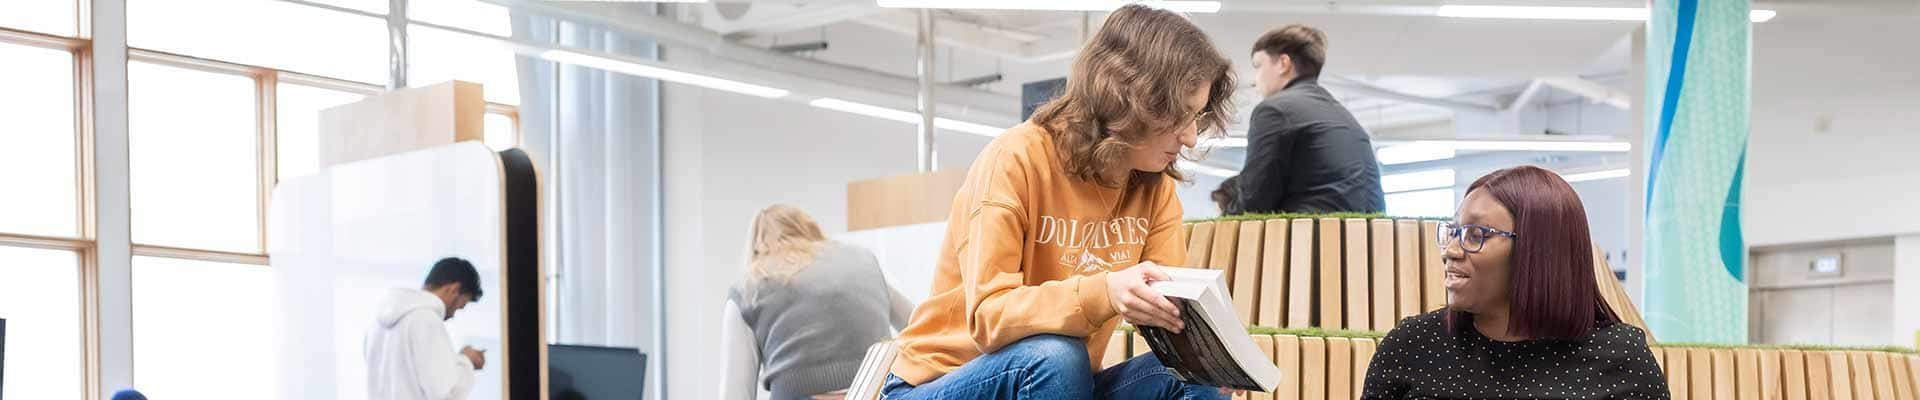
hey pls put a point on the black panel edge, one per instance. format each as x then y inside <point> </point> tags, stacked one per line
<point>522,214</point>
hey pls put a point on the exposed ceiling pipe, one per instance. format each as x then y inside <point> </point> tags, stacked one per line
<point>675,33</point>
<point>1364,89</point>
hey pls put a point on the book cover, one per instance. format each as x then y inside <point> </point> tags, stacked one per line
<point>1328,271</point>
<point>1246,270</point>
<point>1199,245</point>
<point>1359,305</point>
<point>1273,275</point>
<point>1406,258</point>
<point>1214,349</point>
<point>1383,291</point>
<point>1300,275</point>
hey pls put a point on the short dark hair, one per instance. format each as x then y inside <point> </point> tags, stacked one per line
<point>1306,45</point>
<point>1228,196</point>
<point>455,270</point>
<point>1550,283</point>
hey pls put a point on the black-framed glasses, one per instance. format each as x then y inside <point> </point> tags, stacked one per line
<point>1471,237</point>
<point>1200,121</point>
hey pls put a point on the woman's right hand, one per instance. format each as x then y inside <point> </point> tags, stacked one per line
<point>1140,304</point>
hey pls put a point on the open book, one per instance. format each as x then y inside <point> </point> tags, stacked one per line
<point>1214,349</point>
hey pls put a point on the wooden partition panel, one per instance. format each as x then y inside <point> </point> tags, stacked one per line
<point>1273,274</point>
<point>1328,271</point>
<point>1358,271</point>
<point>1840,375</point>
<point>1819,376</point>
<point>1793,375</point>
<point>1433,273</point>
<point>1660,357</point>
<point>1770,376</point>
<point>1747,373</point>
<point>1300,293</point>
<point>401,121</point>
<point>1700,374</point>
<point>1862,368</point>
<point>1266,345</point>
<point>1363,350</point>
<point>1679,373</point>
<point>1340,368</point>
<point>1247,270</point>
<point>1200,245</point>
<point>1313,368</point>
<point>1883,386</point>
<point>1724,370</point>
<point>1286,350</point>
<point>1116,350</point>
<point>1902,378</point>
<point>1406,259</point>
<point>1140,346</point>
<point>1226,234</point>
<point>1381,232</point>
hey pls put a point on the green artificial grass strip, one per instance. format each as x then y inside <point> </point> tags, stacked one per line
<point>1337,215</point>
<point>1800,347</point>
<point>1304,332</point>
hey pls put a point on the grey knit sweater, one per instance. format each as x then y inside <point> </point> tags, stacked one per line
<point>813,328</point>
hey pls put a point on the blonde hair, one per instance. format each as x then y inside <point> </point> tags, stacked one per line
<point>1128,85</point>
<point>781,242</point>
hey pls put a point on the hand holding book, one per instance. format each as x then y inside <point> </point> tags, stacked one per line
<point>1130,293</point>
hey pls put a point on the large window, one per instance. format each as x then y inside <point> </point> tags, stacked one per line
<point>194,178</point>
<point>205,330</point>
<point>271,34</point>
<point>54,17</point>
<point>38,168</point>
<point>43,331</point>
<point>438,56</point>
<point>298,129</point>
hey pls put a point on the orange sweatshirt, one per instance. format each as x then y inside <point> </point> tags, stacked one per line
<point>1027,252</point>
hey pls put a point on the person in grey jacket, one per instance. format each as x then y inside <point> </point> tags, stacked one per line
<point>1305,152</point>
<point>799,323</point>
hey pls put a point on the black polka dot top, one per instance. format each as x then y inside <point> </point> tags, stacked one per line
<point>1418,360</point>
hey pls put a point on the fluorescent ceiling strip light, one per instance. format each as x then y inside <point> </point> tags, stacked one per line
<point>1413,153</point>
<point>648,71</point>
<point>1528,145</point>
<point>903,116</point>
<point>1566,13</point>
<point>1207,169</point>
<point>1412,181</point>
<point>1054,5</point>
<point>1598,175</point>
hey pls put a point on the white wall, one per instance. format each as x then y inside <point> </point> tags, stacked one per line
<point>729,155</point>
<point>1906,290</point>
<point>1854,179</point>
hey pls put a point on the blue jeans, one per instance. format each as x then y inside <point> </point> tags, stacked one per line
<point>1050,367</point>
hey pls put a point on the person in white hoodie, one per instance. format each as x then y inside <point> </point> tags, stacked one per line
<point>409,356</point>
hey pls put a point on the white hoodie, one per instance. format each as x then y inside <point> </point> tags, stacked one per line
<point>408,354</point>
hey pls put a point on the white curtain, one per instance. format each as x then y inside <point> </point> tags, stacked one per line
<point>595,135</point>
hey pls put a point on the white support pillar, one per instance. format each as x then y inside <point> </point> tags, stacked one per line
<point>113,253</point>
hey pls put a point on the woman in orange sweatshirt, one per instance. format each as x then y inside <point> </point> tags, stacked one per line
<point>1063,221</point>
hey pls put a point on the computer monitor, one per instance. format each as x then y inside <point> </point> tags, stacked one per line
<point>595,373</point>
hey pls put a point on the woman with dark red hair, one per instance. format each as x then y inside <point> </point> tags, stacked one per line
<point>1524,318</point>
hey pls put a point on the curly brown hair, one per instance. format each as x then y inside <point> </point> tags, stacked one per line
<point>1129,84</point>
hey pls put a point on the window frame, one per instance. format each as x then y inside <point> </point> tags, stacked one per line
<point>85,243</point>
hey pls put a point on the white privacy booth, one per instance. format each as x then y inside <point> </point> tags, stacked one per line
<point>340,238</point>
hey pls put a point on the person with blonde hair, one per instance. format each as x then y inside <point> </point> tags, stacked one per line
<point>798,324</point>
<point>1061,223</point>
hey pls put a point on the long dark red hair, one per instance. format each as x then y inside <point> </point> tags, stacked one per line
<point>1551,284</point>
